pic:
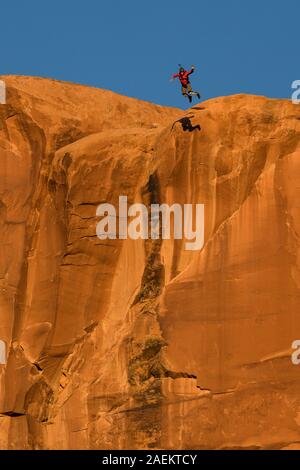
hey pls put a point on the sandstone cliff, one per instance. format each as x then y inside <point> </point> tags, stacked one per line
<point>134,344</point>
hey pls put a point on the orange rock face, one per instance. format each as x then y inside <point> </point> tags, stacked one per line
<point>117,344</point>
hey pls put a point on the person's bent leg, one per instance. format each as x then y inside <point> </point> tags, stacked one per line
<point>184,91</point>
<point>192,92</point>
<point>187,92</point>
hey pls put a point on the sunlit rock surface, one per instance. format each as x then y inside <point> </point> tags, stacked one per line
<point>117,344</point>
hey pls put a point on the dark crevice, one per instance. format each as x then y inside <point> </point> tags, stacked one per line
<point>36,364</point>
<point>154,272</point>
<point>12,414</point>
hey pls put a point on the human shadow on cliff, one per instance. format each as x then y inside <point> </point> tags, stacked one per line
<point>187,124</point>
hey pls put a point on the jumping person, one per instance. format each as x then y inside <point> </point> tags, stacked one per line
<point>186,87</point>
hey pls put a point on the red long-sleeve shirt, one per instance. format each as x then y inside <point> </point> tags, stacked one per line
<point>183,76</point>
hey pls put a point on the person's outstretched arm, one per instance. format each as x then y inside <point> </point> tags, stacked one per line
<point>192,70</point>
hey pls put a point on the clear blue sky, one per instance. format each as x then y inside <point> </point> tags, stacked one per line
<point>133,46</point>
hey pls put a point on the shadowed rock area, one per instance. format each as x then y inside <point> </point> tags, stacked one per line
<point>121,344</point>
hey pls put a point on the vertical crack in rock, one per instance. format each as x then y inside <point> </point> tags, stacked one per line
<point>146,368</point>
